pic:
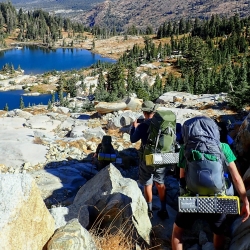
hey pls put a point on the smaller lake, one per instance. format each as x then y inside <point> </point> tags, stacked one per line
<point>37,60</point>
<point>12,98</point>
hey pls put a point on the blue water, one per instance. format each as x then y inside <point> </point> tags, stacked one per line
<point>36,60</point>
<point>12,98</point>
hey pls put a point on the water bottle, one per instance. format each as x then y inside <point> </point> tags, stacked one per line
<point>227,181</point>
<point>229,186</point>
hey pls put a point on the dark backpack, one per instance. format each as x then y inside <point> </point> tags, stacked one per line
<point>160,147</point>
<point>205,162</point>
<point>106,152</point>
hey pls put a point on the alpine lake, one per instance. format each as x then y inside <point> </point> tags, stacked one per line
<point>36,60</point>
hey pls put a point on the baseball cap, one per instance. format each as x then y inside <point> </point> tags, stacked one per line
<point>148,106</point>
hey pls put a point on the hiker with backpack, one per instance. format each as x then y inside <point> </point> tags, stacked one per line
<point>150,173</point>
<point>224,136</point>
<point>204,163</point>
<point>105,153</point>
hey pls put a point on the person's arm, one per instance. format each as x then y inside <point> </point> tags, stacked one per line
<point>239,185</point>
<point>182,173</point>
<point>137,131</point>
<point>181,165</point>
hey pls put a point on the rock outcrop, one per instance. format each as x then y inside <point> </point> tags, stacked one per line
<point>25,222</point>
<point>72,237</point>
<point>109,200</point>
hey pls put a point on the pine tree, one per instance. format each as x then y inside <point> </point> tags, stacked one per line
<point>239,96</point>
<point>157,88</point>
<point>61,98</point>
<point>6,108</point>
<point>49,107</point>
<point>131,79</point>
<point>228,76</point>
<point>53,98</point>
<point>116,81</point>
<point>22,106</point>
<point>169,84</point>
<point>101,93</point>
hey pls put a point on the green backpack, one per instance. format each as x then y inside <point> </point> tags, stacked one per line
<point>160,147</point>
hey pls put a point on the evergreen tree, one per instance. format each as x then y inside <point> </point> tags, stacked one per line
<point>101,93</point>
<point>143,94</point>
<point>228,76</point>
<point>239,96</point>
<point>61,98</point>
<point>157,88</point>
<point>169,84</point>
<point>116,81</point>
<point>21,105</point>
<point>61,84</point>
<point>49,107</point>
<point>6,108</point>
<point>70,86</point>
<point>131,79</point>
<point>53,98</point>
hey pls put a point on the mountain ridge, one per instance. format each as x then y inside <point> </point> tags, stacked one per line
<point>125,13</point>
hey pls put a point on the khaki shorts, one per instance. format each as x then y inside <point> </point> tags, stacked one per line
<point>148,175</point>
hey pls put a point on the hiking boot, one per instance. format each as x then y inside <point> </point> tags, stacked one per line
<point>150,214</point>
<point>163,214</point>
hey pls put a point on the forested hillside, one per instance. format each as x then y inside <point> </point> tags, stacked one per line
<point>124,13</point>
<point>208,56</point>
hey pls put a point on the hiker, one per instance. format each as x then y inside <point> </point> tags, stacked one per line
<point>148,174</point>
<point>178,133</point>
<point>192,148</point>
<point>105,153</point>
<point>224,136</point>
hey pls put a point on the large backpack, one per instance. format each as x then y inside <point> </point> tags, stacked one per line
<point>205,161</point>
<point>160,147</point>
<point>106,152</point>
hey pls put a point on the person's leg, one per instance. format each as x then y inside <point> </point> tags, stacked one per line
<point>162,194</point>
<point>218,224</point>
<point>146,179</point>
<point>159,178</point>
<point>177,238</point>
<point>149,198</point>
<point>148,193</point>
<point>219,241</point>
<point>182,221</point>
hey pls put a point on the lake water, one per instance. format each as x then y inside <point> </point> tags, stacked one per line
<point>12,98</point>
<point>36,60</point>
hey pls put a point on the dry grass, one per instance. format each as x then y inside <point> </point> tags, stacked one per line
<point>111,237</point>
<point>36,110</point>
<point>123,238</point>
<point>114,241</point>
<point>79,144</point>
<point>38,140</point>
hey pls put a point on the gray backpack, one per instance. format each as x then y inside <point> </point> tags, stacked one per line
<point>205,162</point>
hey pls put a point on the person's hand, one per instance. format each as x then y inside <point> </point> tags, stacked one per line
<point>135,123</point>
<point>245,211</point>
